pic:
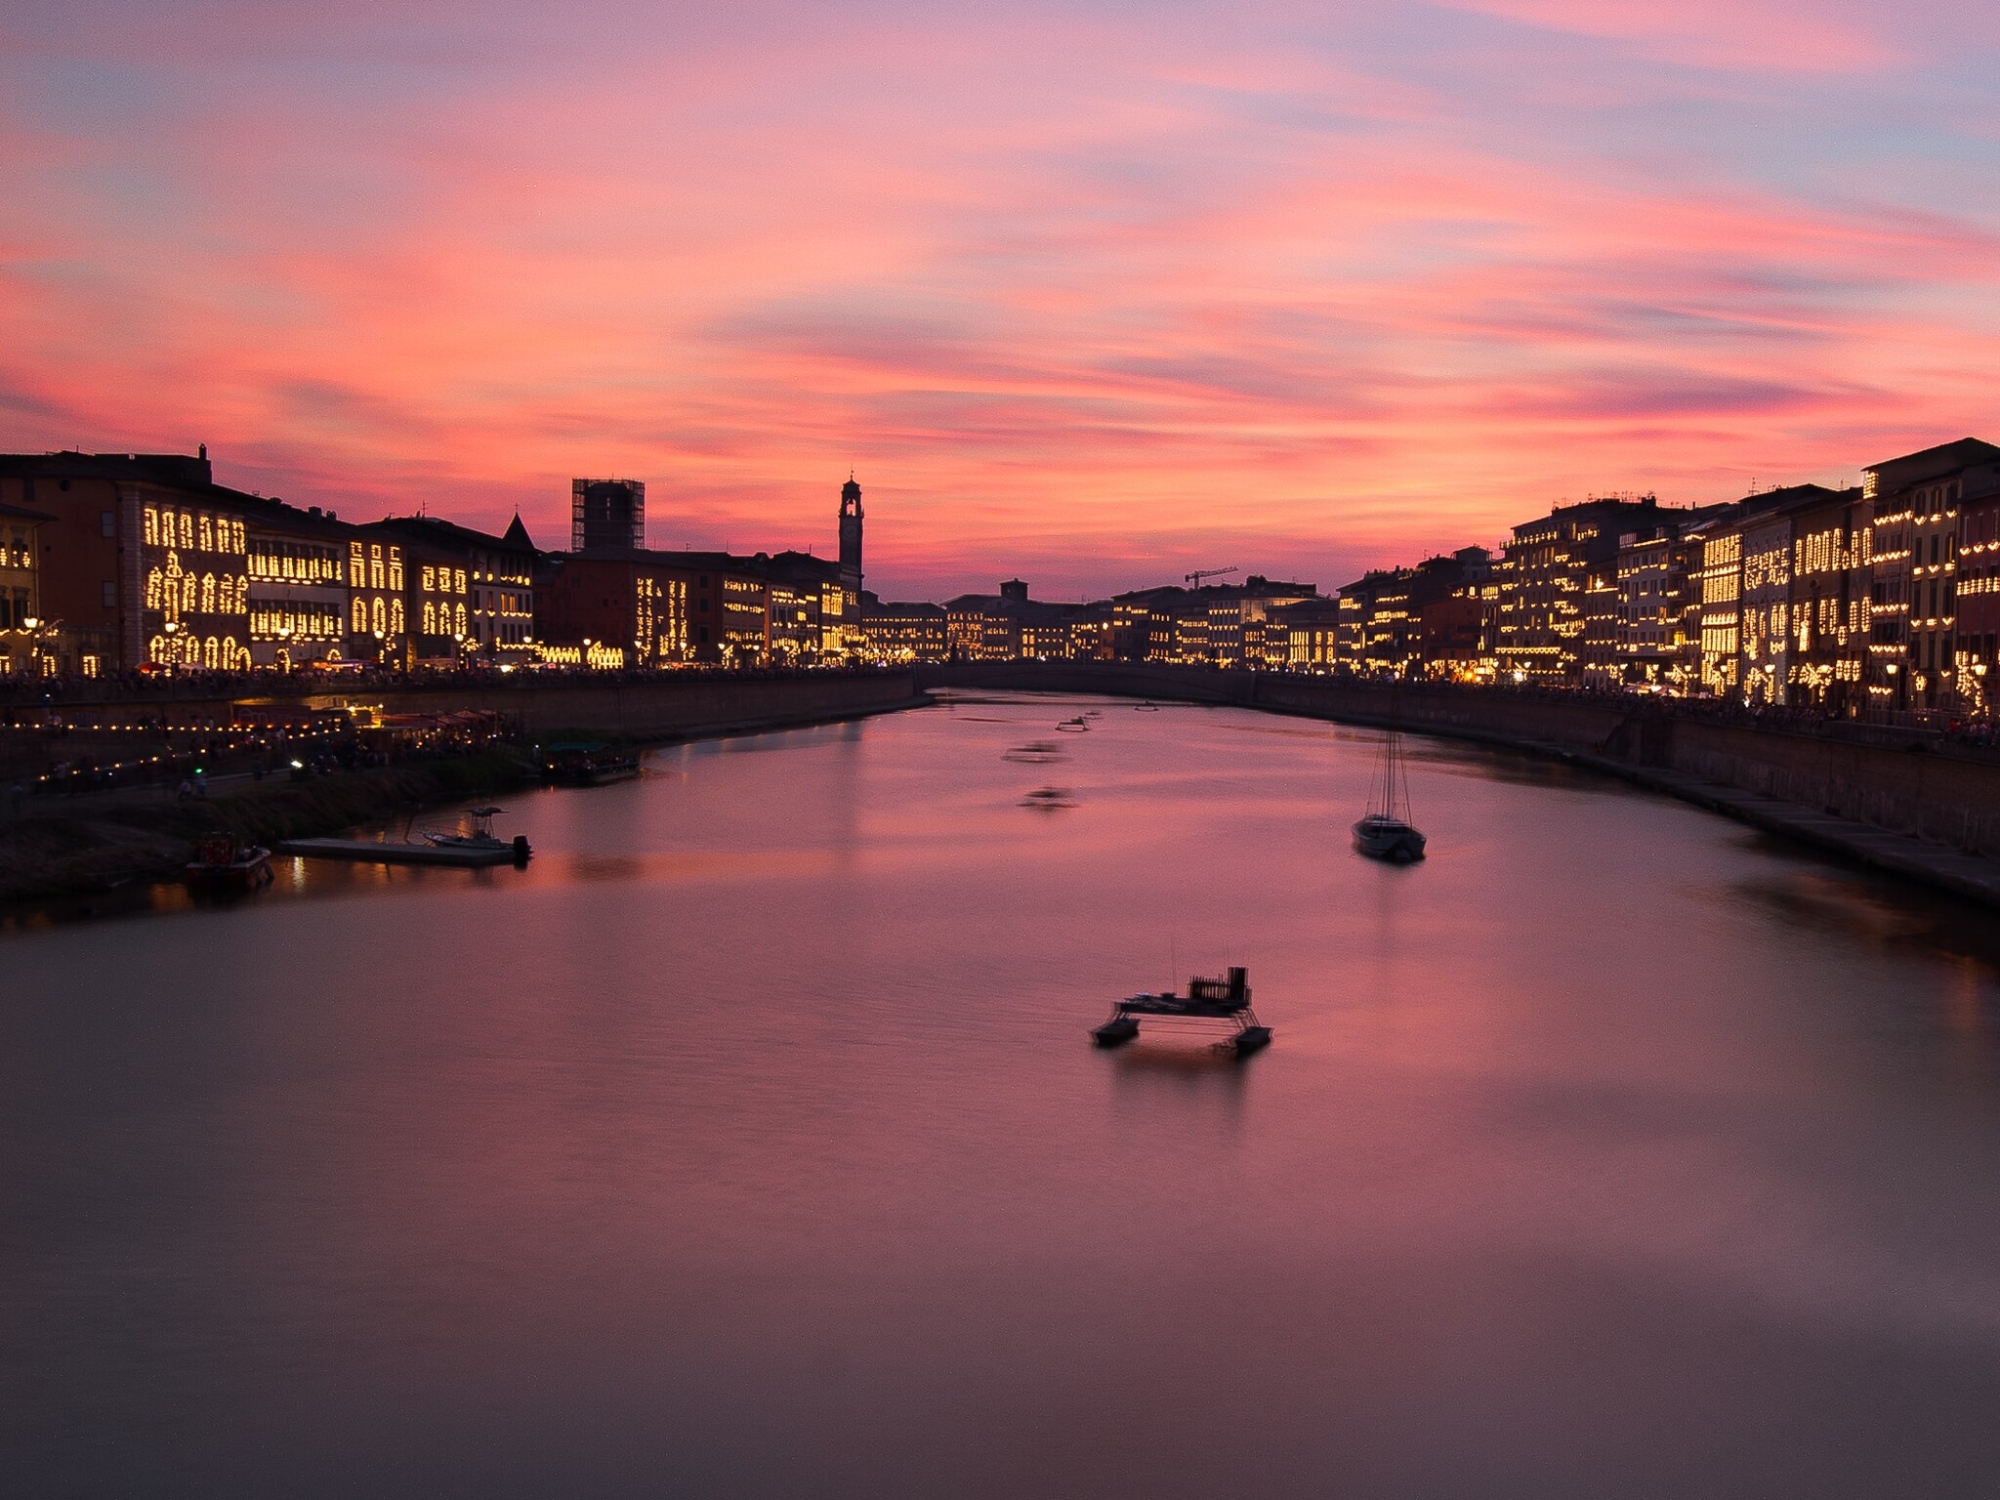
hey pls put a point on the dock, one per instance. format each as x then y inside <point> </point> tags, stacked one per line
<point>376,851</point>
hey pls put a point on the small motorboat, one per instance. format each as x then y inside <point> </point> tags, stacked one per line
<point>478,838</point>
<point>1208,1003</point>
<point>1148,707</point>
<point>1074,726</point>
<point>1050,797</point>
<point>222,864</point>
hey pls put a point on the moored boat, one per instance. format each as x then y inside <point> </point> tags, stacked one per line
<point>479,836</point>
<point>1388,838</point>
<point>220,863</point>
<point>587,763</point>
<point>1385,832</point>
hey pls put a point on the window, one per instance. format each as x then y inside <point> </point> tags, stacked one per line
<point>108,595</point>
<point>107,523</point>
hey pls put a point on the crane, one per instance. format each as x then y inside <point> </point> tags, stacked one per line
<point>1198,574</point>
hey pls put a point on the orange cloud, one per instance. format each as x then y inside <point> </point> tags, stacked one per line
<point>1091,294</point>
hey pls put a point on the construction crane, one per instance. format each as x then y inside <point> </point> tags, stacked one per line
<point>1198,574</point>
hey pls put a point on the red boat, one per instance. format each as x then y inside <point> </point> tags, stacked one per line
<point>222,864</point>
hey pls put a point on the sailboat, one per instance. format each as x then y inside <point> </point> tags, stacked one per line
<point>1386,832</point>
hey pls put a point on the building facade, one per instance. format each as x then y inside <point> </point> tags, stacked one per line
<point>1552,566</point>
<point>1913,538</point>
<point>20,594</point>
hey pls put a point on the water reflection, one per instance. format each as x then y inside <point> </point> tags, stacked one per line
<point>750,1142</point>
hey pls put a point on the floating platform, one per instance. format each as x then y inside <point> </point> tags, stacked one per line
<point>1208,1002</point>
<point>371,851</point>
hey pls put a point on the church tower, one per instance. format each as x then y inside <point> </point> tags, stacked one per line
<point>850,536</point>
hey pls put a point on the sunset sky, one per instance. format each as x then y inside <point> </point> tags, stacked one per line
<point>1091,292</point>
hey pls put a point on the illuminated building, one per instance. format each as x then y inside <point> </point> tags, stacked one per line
<point>94,565</point>
<point>1829,609</point>
<point>743,628</point>
<point>377,609</point>
<point>1721,606</point>
<point>20,598</point>
<point>1913,541</point>
<point>1364,610</point>
<point>1451,637</point>
<point>813,617</point>
<point>1382,613</point>
<point>195,601</point>
<point>1553,565</point>
<point>469,592</point>
<point>896,634</point>
<point>602,610</point>
<point>1010,626</point>
<point>981,627</point>
<point>296,565</point>
<point>1658,641</point>
<point>1242,626</point>
<point>1312,634</point>
<point>1142,627</point>
<point>1765,631</point>
<point>1979,593</point>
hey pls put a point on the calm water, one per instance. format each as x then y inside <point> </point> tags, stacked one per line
<point>750,1143</point>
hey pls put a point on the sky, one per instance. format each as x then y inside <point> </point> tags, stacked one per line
<point>1086,291</point>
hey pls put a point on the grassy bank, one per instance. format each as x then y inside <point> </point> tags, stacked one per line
<point>60,851</point>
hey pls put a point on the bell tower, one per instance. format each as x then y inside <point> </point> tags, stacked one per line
<point>850,536</point>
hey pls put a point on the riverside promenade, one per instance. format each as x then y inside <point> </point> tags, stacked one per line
<point>1905,802</point>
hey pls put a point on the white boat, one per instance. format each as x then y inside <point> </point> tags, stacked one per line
<point>479,836</point>
<point>1385,831</point>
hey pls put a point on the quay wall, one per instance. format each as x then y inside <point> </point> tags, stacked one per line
<point>670,707</point>
<point>1902,782</point>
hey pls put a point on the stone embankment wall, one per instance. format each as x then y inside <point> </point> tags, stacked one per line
<point>671,707</point>
<point>1900,782</point>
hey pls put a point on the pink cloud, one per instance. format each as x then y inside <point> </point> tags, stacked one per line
<point>1106,296</point>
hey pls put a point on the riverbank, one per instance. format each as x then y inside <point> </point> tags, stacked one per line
<point>61,847</point>
<point>65,851</point>
<point>1900,805</point>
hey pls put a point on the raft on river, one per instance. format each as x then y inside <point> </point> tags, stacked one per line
<point>1223,1002</point>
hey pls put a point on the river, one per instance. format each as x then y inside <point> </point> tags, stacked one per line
<point>749,1143</point>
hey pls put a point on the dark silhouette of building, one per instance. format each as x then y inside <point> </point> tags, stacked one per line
<point>850,537</point>
<point>607,515</point>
